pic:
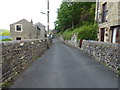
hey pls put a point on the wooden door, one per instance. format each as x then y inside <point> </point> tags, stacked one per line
<point>102,34</point>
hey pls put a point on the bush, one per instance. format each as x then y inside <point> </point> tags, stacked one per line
<point>88,32</point>
<point>7,39</point>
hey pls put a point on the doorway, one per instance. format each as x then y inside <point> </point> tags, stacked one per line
<point>102,34</point>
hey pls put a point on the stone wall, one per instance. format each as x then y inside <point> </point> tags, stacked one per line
<point>73,42</point>
<point>106,53</point>
<point>17,55</point>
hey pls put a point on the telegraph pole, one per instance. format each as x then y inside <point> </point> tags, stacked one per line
<point>48,17</point>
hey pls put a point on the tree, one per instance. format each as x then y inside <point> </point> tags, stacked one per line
<point>72,13</point>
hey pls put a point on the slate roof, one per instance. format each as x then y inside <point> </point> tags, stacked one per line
<point>20,21</point>
<point>39,24</point>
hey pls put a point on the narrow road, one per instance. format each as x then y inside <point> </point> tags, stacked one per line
<point>66,67</point>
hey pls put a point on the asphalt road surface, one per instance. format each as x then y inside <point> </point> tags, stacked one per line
<point>63,66</point>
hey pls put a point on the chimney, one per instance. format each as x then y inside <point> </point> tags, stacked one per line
<point>31,21</point>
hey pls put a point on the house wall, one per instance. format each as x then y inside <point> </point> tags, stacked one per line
<point>42,32</point>
<point>112,14</point>
<point>29,32</point>
<point>119,12</point>
<point>38,31</point>
<point>113,18</point>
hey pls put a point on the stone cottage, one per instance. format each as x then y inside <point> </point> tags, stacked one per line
<point>24,29</point>
<point>41,30</point>
<point>108,19</point>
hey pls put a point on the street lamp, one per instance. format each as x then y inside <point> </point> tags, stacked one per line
<point>43,13</point>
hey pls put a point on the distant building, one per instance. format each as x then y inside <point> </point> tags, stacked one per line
<point>41,30</point>
<point>108,18</point>
<point>24,29</point>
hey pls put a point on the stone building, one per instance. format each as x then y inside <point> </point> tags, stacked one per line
<point>41,29</point>
<point>108,18</point>
<point>24,29</point>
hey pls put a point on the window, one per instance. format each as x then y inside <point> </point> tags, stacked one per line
<point>18,38</point>
<point>115,35</point>
<point>38,28</point>
<point>104,12</point>
<point>18,27</point>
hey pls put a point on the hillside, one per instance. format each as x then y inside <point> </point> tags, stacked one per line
<point>4,32</point>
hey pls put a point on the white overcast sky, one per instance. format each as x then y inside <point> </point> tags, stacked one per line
<point>14,10</point>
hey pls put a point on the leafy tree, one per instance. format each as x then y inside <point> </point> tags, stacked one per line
<point>72,13</point>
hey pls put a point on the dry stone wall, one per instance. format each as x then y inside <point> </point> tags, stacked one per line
<point>73,42</point>
<point>17,55</point>
<point>104,52</point>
